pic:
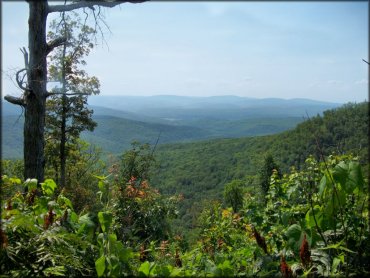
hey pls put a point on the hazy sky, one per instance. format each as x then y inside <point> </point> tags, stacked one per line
<point>253,49</point>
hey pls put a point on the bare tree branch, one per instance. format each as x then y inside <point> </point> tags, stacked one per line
<point>25,55</point>
<point>366,61</point>
<point>88,4</point>
<point>20,80</point>
<point>15,100</point>
<point>55,43</point>
<point>66,94</point>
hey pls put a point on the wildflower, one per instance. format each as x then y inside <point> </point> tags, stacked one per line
<point>132,180</point>
<point>225,213</point>
<point>236,218</point>
<point>145,185</point>
<point>304,252</point>
<point>260,240</point>
<point>142,253</point>
<point>9,205</point>
<point>49,219</point>
<point>163,246</point>
<point>130,191</point>
<point>285,269</point>
<point>177,237</point>
<point>31,196</point>
<point>140,194</point>
<point>3,239</point>
<point>220,243</point>
<point>178,262</point>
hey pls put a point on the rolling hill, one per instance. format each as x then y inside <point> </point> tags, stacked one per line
<point>123,119</point>
<point>200,170</point>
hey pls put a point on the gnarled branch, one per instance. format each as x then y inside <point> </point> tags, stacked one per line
<point>55,43</point>
<point>25,55</point>
<point>66,94</point>
<point>20,80</point>
<point>88,4</point>
<point>15,100</point>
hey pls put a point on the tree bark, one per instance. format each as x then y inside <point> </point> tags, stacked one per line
<point>35,97</point>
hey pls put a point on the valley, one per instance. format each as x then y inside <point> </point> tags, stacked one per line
<point>173,119</point>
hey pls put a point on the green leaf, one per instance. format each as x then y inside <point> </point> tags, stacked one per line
<point>124,254</point>
<point>340,173</point>
<point>336,261</point>
<point>62,200</point>
<point>310,220</point>
<point>355,177</point>
<point>294,235</point>
<point>105,220</point>
<point>30,184</point>
<point>337,245</point>
<point>15,180</point>
<point>48,187</point>
<point>54,271</point>
<point>176,272</point>
<point>322,185</point>
<point>100,266</point>
<point>145,268</point>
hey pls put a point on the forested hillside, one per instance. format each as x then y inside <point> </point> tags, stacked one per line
<point>172,119</point>
<point>113,221</point>
<point>201,170</point>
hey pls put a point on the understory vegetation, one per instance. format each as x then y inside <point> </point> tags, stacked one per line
<point>113,219</point>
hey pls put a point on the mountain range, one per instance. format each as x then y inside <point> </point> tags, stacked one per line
<point>170,119</point>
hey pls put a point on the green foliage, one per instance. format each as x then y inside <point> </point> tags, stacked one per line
<point>67,114</point>
<point>314,222</point>
<point>233,194</point>
<point>42,236</point>
<point>81,186</point>
<point>200,170</point>
<point>136,162</point>
<point>266,171</point>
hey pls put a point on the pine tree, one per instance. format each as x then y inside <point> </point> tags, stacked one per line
<point>265,173</point>
<point>67,114</point>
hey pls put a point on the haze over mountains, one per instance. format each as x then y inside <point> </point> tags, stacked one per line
<point>122,119</point>
<point>182,109</point>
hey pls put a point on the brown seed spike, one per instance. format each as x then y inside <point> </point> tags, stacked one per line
<point>285,269</point>
<point>304,252</point>
<point>260,240</point>
<point>3,239</point>
<point>178,262</point>
<point>143,255</point>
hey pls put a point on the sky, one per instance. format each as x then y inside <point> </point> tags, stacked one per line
<point>251,49</point>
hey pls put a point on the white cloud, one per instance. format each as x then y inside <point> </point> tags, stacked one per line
<point>362,82</point>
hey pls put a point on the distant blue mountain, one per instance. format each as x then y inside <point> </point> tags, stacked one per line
<point>122,119</point>
<point>183,108</point>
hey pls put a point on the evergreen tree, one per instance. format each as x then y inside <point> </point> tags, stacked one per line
<point>265,173</point>
<point>233,194</point>
<point>67,114</point>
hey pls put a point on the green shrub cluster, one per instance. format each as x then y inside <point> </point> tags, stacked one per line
<point>314,222</point>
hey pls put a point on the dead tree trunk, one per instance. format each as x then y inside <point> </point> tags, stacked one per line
<point>35,94</point>
<point>35,97</point>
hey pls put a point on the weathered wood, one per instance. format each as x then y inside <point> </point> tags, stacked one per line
<point>35,98</point>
